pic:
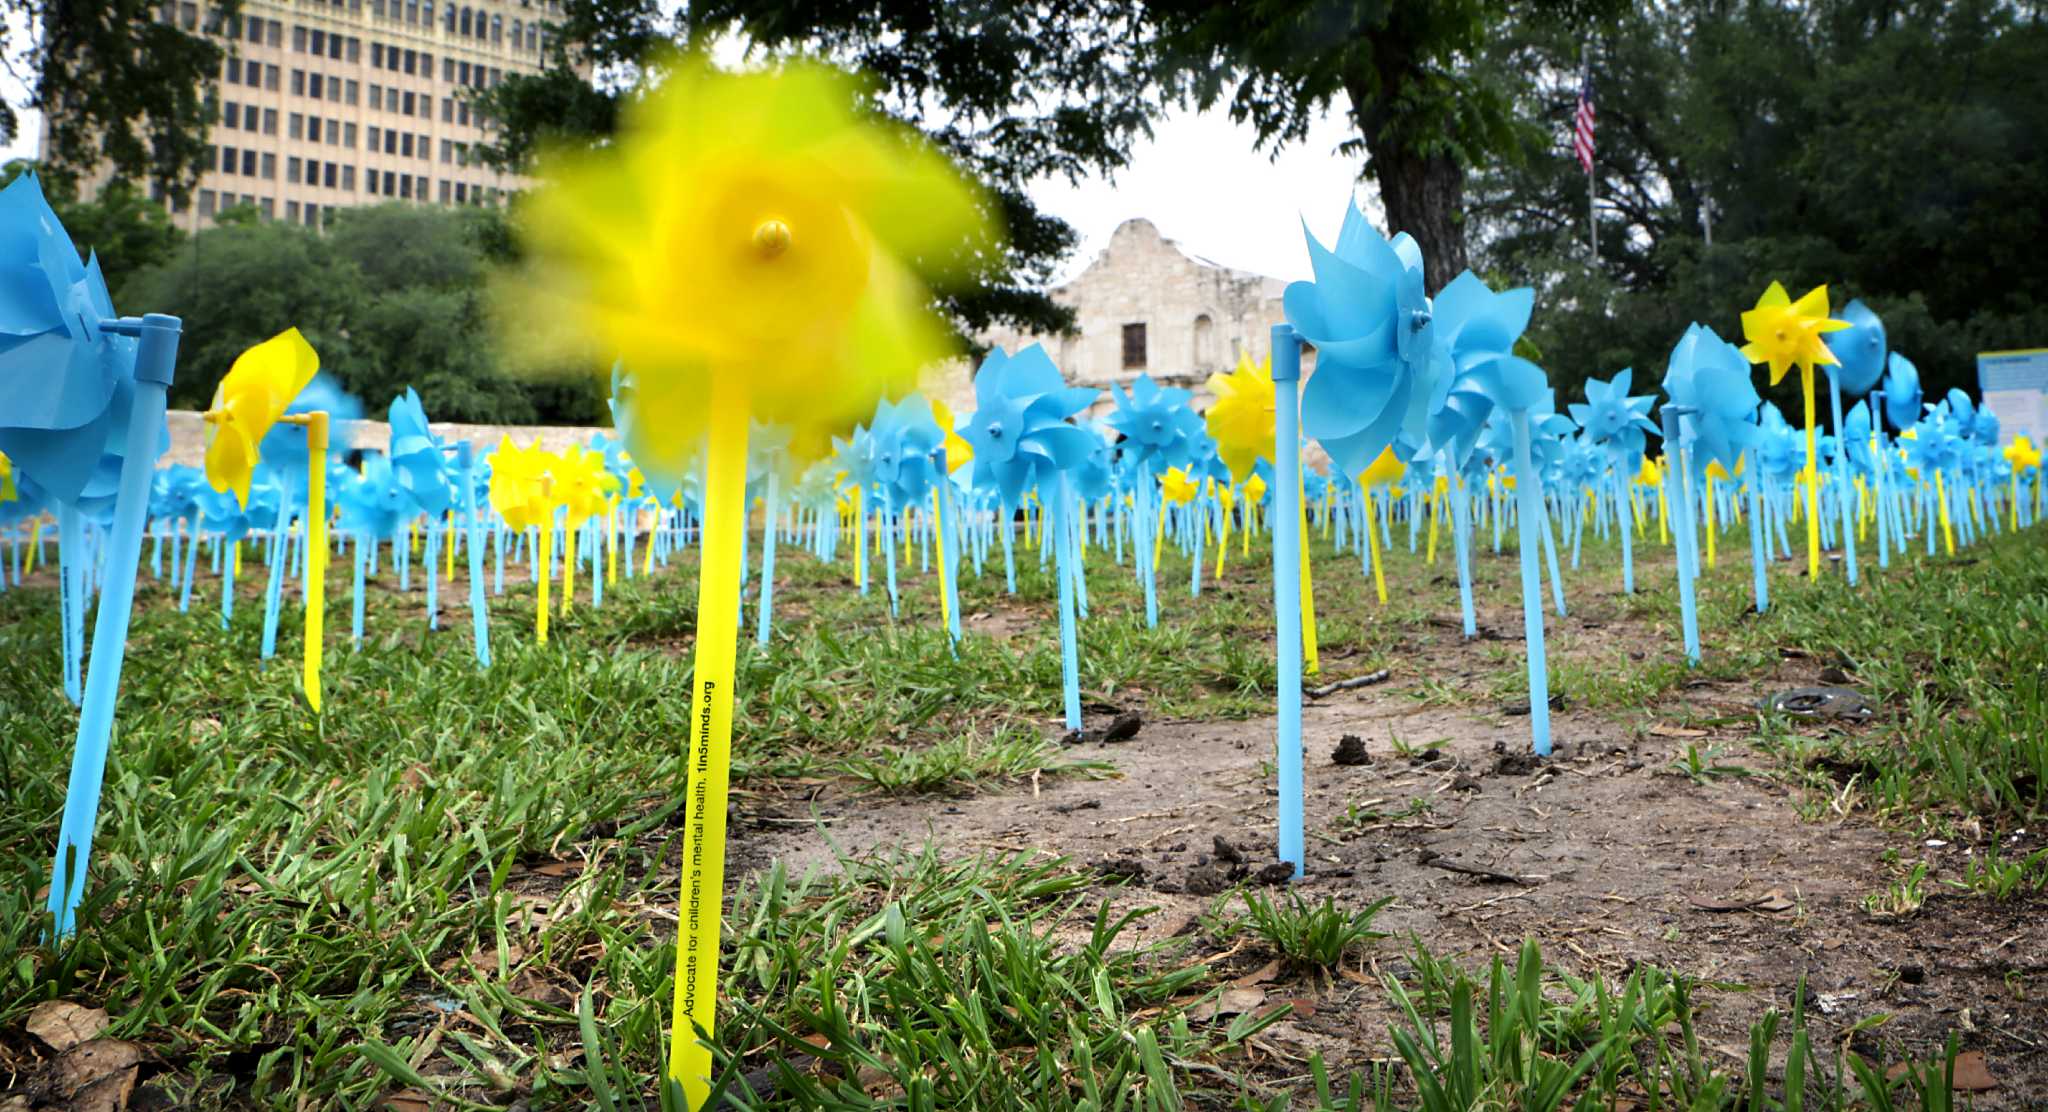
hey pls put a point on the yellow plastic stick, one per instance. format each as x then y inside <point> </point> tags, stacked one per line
<point>1311,659</point>
<point>569,532</point>
<point>546,573</point>
<point>611,542</point>
<point>448,545</point>
<point>1948,533</point>
<point>1372,542</point>
<point>1223,544</point>
<point>860,540</point>
<point>1436,513</point>
<point>649,568</point>
<point>1710,523</point>
<point>1663,517</point>
<point>316,546</point>
<point>236,554</point>
<point>709,754</point>
<point>35,545</point>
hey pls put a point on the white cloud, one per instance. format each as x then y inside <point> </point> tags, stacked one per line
<point>1201,181</point>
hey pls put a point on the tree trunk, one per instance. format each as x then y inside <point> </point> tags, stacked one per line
<point>1424,196</point>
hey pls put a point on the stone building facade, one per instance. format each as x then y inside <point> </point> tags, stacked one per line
<point>1145,306</point>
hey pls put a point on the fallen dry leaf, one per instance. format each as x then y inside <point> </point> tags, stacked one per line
<point>1773,900</point>
<point>1973,1073</point>
<point>1231,1001</point>
<point>407,1100</point>
<point>559,868</point>
<point>1260,975</point>
<point>97,1076</point>
<point>1666,729</point>
<point>63,1024</point>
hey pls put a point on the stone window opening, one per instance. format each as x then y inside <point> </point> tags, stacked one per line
<point>1134,347</point>
<point>1205,342</point>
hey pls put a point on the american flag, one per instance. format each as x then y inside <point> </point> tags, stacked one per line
<point>1583,119</point>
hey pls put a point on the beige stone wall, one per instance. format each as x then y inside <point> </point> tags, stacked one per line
<point>188,438</point>
<point>1198,317</point>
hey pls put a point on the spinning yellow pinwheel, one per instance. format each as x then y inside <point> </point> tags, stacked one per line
<point>741,245</point>
<point>1786,333</point>
<point>523,491</point>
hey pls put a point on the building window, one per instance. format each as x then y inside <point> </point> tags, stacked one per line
<point>312,214</point>
<point>229,113</point>
<point>445,190</point>
<point>1134,347</point>
<point>377,97</point>
<point>298,83</point>
<point>298,40</point>
<point>374,131</point>
<point>412,61</point>
<point>405,144</point>
<point>249,164</point>
<point>296,126</point>
<point>1205,342</point>
<point>269,166</point>
<point>348,178</point>
<point>255,26</point>
<point>334,48</point>
<point>355,92</point>
<point>461,193</point>
<point>293,170</point>
<point>348,136</point>
<point>448,70</point>
<point>267,206</point>
<point>390,183</point>
<point>269,78</point>
<point>355,49</point>
<point>291,212</point>
<point>275,33</point>
<point>447,110</point>
<point>390,141</point>
<point>319,42</point>
<point>313,129</point>
<point>331,177</point>
<point>234,72</point>
<point>208,201</point>
<point>270,121</point>
<point>408,101</point>
<point>228,161</point>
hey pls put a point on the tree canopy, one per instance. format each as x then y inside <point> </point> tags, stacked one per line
<point>1896,150</point>
<point>391,296</point>
<point>119,87</point>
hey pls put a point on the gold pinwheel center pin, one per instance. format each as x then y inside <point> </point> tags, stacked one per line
<point>771,239</point>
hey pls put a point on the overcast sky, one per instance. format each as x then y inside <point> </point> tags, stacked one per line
<point>1198,178</point>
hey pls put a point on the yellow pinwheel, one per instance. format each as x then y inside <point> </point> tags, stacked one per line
<point>523,491</point>
<point>1241,421</point>
<point>2021,454</point>
<point>1177,487</point>
<point>250,399</point>
<point>743,241</point>
<point>959,452</point>
<point>1785,333</point>
<point>1386,469</point>
<point>8,493</point>
<point>743,245</point>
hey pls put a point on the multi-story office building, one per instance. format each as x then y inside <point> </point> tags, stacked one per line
<point>327,104</point>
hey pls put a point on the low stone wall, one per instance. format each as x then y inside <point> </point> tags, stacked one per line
<point>188,436</point>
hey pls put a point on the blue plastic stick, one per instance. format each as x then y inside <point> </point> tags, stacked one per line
<point>1070,658</point>
<point>766,616</point>
<point>1461,539</point>
<point>155,360</point>
<point>71,596</point>
<point>1550,555</point>
<point>433,529</point>
<point>947,525</point>
<point>1009,531</point>
<point>479,613</point>
<point>1674,435</point>
<point>275,591</point>
<point>1287,586</point>
<point>1623,519</point>
<point>1529,494</point>
<point>1759,560</point>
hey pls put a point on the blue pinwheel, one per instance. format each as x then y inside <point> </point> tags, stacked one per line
<point>1023,436</point>
<point>1709,418</point>
<point>1618,423</point>
<point>1374,334</point>
<point>1158,425</point>
<point>80,389</point>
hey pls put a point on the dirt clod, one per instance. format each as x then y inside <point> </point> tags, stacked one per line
<point>1350,751</point>
<point>1226,852</point>
<point>1274,875</point>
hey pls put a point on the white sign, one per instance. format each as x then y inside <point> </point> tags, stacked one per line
<point>2015,389</point>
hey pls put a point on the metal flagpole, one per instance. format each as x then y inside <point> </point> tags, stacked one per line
<point>1592,198</point>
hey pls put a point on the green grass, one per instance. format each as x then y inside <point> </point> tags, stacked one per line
<point>461,881</point>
